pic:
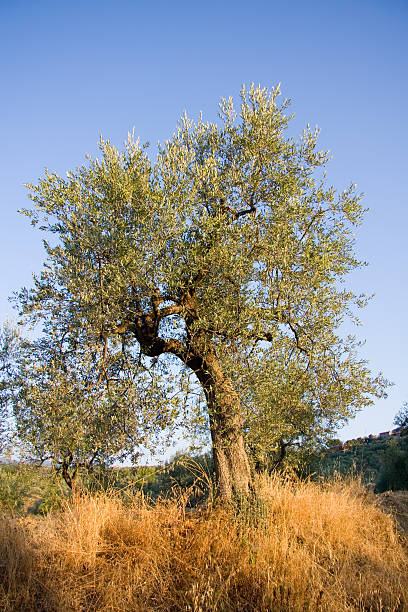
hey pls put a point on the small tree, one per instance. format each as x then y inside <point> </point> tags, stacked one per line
<point>70,412</point>
<point>227,256</point>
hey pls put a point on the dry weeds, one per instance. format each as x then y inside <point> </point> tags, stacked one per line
<point>301,546</point>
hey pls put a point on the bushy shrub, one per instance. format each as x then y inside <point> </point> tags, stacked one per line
<point>29,488</point>
<point>394,467</point>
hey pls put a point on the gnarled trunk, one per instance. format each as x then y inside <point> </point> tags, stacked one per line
<point>231,465</point>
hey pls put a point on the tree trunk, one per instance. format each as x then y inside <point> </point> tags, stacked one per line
<point>67,476</point>
<point>231,465</point>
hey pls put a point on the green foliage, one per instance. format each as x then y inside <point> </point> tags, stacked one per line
<point>382,461</point>
<point>29,488</point>
<point>184,474</point>
<point>124,480</point>
<point>226,256</point>
<point>393,474</point>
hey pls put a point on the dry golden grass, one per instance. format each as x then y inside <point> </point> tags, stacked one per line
<point>301,546</point>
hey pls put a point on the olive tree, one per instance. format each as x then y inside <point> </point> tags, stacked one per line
<point>74,413</point>
<point>226,255</point>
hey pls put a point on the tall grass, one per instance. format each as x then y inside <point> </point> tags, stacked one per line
<point>298,546</point>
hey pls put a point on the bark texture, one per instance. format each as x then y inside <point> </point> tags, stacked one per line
<point>231,465</point>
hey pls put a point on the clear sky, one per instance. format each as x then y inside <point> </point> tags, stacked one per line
<point>72,71</point>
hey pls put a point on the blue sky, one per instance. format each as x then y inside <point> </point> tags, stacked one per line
<point>71,71</point>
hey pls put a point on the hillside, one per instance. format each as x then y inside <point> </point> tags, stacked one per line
<point>381,459</point>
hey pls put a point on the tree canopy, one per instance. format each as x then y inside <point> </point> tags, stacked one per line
<point>227,255</point>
